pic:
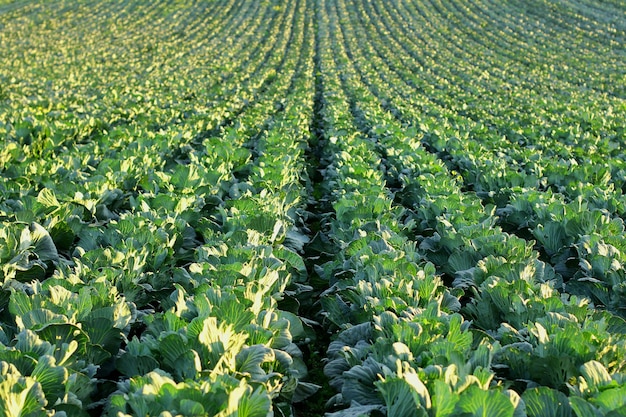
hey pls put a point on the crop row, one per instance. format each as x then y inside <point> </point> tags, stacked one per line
<point>510,293</point>
<point>503,173</point>
<point>147,241</point>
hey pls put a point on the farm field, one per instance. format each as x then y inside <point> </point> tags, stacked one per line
<point>301,208</point>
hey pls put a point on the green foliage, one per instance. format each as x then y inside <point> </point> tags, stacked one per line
<point>437,186</point>
<point>156,393</point>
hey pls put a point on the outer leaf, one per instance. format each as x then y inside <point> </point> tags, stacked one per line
<point>39,318</point>
<point>295,324</point>
<point>102,333</point>
<point>611,399</point>
<point>178,357</point>
<point>256,404</point>
<point>191,408</point>
<point>516,400</point>
<point>359,383</point>
<point>336,310</point>
<point>303,391</point>
<point>29,343</point>
<point>65,337</point>
<point>546,402</point>
<point>51,377</point>
<point>400,398</point>
<point>19,395</point>
<point>47,198</point>
<point>582,408</point>
<point>130,365</point>
<point>250,359</point>
<point>444,400</point>
<point>596,374</point>
<point>43,244</point>
<point>476,402</point>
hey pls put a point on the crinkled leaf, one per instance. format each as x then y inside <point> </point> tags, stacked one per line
<point>28,342</point>
<point>334,370</point>
<point>552,236</point>
<point>119,314</point>
<point>20,304</point>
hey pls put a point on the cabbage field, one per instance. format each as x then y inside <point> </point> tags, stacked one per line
<point>296,208</point>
